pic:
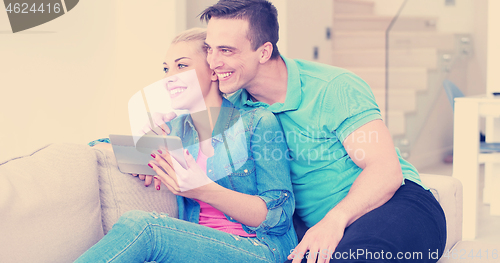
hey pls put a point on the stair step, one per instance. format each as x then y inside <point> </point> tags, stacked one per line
<point>399,78</point>
<point>353,7</point>
<point>399,100</point>
<point>380,23</point>
<point>396,122</point>
<point>421,57</point>
<point>397,39</point>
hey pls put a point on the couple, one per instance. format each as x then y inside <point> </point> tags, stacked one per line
<point>352,188</point>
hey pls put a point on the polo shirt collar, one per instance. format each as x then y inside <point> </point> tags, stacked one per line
<point>293,91</point>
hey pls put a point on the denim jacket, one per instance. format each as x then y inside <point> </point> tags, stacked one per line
<point>250,157</point>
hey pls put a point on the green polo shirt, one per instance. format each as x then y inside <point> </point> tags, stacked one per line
<point>323,106</point>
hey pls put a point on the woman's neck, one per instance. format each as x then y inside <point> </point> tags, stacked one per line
<point>204,121</point>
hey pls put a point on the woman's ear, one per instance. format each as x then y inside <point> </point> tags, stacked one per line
<point>266,52</point>
<point>214,76</point>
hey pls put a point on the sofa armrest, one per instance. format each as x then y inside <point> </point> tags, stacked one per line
<point>448,192</point>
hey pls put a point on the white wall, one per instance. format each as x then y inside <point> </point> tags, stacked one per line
<point>304,27</point>
<point>281,6</point>
<point>69,80</point>
<point>195,7</point>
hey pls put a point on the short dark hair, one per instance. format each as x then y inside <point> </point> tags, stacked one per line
<point>262,19</point>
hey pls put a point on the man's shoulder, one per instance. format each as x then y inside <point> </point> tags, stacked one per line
<point>319,71</point>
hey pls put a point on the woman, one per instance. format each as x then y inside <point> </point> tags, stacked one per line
<point>236,191</point>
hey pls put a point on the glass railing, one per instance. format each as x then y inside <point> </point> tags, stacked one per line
<point>426,43</point>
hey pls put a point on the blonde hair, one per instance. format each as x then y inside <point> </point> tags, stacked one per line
<point>193,34</point>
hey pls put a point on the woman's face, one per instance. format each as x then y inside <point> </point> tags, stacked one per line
<point>187,74</point>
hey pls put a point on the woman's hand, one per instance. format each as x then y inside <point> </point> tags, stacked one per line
<point>191,182</point>
<point>158,127</point>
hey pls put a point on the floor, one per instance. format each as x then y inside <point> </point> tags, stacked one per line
<point>489,225</point>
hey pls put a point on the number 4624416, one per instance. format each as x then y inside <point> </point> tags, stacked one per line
<point>471,254</point>
<point>24,8</point>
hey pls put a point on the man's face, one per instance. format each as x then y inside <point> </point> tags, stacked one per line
<point>230,54</point>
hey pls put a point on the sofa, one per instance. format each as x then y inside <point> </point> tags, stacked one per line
<point>58,201</point>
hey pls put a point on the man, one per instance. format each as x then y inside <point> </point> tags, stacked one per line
<point>361,200</point>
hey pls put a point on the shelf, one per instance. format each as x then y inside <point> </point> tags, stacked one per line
<point>489,157</point>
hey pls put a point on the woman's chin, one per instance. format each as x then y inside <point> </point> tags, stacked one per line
<point>180,107</point>
<point>191,105</point>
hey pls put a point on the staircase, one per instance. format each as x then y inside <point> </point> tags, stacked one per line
<point>359,42</point>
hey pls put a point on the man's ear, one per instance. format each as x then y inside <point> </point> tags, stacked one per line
<point>266,50</point>
<point>214,76</point>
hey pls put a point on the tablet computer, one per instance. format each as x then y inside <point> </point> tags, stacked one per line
<point>134,157</point>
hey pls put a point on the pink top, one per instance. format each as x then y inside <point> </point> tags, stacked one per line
<point>211,217</point>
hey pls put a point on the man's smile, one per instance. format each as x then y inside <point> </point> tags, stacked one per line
<point>224,76</point>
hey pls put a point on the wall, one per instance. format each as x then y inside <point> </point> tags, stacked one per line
<point>305,29</point>
<point>70,80</point>
<point>195,8</point>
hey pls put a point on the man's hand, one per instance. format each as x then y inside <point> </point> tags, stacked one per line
<point>158,127</point>
<point>320,241</point>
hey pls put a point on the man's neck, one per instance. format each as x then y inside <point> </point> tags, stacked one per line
<point>270,84</point>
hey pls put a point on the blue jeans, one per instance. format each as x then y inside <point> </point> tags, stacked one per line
<point>140,236</point>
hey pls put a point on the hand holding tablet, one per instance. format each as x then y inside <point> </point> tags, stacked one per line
<point>134,158</point>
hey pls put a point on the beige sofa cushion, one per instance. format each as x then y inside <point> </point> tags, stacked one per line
<point>49,205</point>
<point>448,192</point>
<point>121,192</point>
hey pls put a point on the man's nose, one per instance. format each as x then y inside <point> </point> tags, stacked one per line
<point>214,60</point>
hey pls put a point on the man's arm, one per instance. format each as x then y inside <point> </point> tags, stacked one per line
<point>380,179</point>
<point>381,176</point>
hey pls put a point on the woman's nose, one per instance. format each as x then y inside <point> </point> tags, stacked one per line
<point>170,78</point>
